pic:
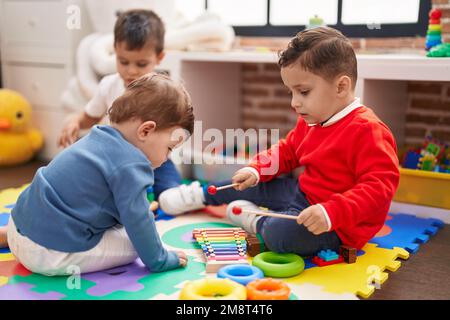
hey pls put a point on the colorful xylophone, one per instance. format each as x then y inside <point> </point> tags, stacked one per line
<point>222,246</point>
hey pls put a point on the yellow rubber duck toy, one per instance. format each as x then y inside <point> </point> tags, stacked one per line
<point>18,141</point>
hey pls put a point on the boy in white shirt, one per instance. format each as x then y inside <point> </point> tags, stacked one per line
<point>139,48</point>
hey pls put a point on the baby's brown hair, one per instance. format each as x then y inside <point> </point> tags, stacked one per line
<point>323,51</point>
<point>155,97</point>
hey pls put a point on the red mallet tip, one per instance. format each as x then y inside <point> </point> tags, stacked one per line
<point>212,190</point>
<point>237,210</point>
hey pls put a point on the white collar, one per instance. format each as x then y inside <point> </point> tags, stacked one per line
<point>341,114</point>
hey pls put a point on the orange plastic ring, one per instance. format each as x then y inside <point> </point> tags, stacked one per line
<point>268,289</point>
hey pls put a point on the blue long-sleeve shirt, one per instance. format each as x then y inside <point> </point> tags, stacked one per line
<point>98,182</point>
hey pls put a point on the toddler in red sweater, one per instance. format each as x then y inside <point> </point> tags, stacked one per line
<point>346,153</point>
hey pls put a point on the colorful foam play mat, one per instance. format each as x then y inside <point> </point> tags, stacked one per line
<point>400,237</point>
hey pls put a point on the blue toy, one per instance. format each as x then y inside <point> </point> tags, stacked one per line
<point>411,160</point>
<point>241,273</point>
<point>328,255</point>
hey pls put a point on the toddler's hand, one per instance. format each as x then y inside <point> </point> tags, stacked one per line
<point>313,219</point>
<point>245,178</point>
<point>70,133</point>
<point>183,258</point>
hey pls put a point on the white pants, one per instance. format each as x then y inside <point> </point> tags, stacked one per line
<point>114,249</point>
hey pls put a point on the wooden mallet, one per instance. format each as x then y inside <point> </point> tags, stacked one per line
<point>238,210</point>
<point>212,190</point>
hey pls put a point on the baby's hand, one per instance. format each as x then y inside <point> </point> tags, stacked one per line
<point>313,219</point>
<point>183,258</point>
<point>70,132</point>
<point>245,178</point>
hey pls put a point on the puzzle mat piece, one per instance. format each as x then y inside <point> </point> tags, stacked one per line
<point>356,278</point>
<point>150,284</point>
<point>164,283</point>
<point>4,218</point>
<point>8,198</point>
<point>13,268</point>
<point>65,286</point>
<point>6,257</point>
<point>174,295</point>
<point>309,291</point>
<point>121,278</point>
<point>25,291</point>
<point>407,231</point>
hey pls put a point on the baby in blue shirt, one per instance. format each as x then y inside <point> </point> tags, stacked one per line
<point>88,208</point>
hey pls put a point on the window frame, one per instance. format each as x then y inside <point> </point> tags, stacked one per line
<point>352,31</point>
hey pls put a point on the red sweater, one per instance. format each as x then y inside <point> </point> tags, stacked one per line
<point>350,167</point>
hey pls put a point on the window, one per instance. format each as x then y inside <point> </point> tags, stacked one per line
<point>191,9</point>
<point>240,12</point>
<point>380,12</point>
<point>298,12</point>
<point>355,18</point>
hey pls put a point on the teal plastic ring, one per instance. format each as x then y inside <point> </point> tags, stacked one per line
<point>279,265</point>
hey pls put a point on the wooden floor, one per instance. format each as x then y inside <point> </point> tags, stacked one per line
<point>426,275</point>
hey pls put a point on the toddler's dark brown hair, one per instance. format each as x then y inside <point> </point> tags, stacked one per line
<point>139,28</point>
<point>323,51</point>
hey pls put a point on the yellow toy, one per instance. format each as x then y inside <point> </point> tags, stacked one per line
<point>213,288</point>
<point>18,141</point>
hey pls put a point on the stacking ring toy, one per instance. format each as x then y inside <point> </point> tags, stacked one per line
<point>241,273</point>
<point>213,288</point>
<point>279,265</point>
<point>268,289</point>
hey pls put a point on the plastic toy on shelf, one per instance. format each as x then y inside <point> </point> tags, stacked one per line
<point>434,32</point>
<point>434,156</point>
<point>440,51</point>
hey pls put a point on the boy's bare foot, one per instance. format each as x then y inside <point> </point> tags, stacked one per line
<point>3,237</point>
